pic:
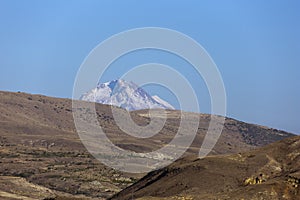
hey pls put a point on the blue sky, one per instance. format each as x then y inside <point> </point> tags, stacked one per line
<point>255,45</point>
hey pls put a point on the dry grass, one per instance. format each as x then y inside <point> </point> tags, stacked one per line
<point>38,142</point>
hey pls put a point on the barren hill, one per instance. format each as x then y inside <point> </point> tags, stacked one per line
<point>39,143</point>
<point>271,172</point>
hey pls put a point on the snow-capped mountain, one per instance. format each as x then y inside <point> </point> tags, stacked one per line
<point>124,94</point>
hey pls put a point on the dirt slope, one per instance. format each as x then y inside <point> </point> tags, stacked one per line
<point>38,142</point>
<point>271,172</point>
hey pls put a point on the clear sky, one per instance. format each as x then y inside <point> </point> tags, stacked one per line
<point>255,44</point>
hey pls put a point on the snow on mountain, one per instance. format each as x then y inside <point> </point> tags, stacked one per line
<point>163,102</point>
<point>124,94</point>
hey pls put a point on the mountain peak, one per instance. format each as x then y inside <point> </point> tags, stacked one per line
<point>125,94</point>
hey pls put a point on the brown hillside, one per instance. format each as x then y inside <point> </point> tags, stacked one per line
<point>38,142</point>
<point>271,172</point>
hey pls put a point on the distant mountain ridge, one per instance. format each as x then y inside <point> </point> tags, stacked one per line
<point>127,95</point>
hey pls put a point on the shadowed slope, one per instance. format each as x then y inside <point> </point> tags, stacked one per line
<point>271,172</point>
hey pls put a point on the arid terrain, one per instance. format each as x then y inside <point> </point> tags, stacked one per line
<point>271,172</point>
<point>42,157</point>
